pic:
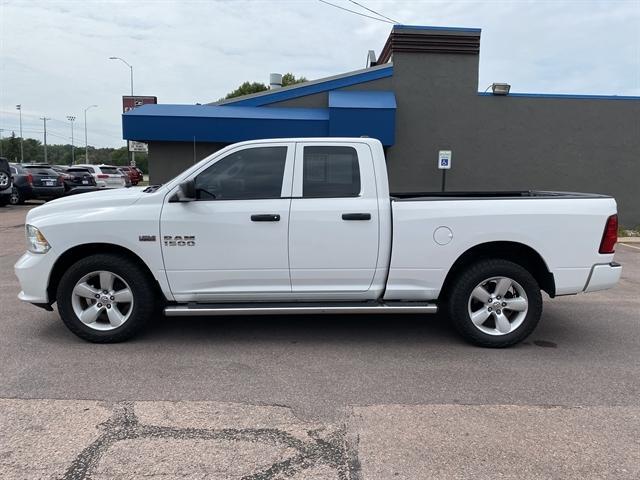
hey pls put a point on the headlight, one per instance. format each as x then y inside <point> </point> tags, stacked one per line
<point>36,243</point>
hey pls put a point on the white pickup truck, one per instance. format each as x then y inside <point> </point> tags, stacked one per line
<point>296,226</point>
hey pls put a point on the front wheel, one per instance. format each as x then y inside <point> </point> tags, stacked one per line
<point>495,303</point>
<point>106,298</point>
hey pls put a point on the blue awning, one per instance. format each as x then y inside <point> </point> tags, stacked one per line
<point>351,113</point>
<point>357,113</point>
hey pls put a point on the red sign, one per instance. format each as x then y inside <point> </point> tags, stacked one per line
<point>130,102</point>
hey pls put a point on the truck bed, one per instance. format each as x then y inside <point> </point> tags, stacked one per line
<point>515,194</point>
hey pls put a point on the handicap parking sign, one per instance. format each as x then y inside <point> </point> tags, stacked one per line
<point>444,159</point>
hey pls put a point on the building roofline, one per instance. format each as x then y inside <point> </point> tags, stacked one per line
<point>563,95</point>
<point>430,27</point>
<point>309,88</point>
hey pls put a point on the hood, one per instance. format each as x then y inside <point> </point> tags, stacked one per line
<point>87,202</point>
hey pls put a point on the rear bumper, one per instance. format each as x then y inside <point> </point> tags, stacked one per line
<point>603,277</point>
<point>48,192</point>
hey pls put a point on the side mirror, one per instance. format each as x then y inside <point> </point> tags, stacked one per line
<point>186,192</point>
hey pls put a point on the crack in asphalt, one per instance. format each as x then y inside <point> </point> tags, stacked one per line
<point>335,451</point>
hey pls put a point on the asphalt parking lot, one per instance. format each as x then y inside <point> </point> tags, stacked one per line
<point>321,397</point>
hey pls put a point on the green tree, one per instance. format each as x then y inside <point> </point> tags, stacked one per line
<point>11,147</point>
<point>290,79</point>
<point>61,154</point>
<point>248,88</point>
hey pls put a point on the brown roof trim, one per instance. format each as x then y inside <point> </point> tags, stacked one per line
<point>429,42</point>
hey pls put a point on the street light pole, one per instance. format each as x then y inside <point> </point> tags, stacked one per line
<point>44,119</point>
<point>86,143</point>
<point>132,156</point>
<point>19,108</point>
<point>130,68</point>
<point>72,119</point>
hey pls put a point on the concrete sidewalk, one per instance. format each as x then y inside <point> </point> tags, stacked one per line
<point>70,439</point>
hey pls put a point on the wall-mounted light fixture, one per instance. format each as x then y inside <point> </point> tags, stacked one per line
<point>500,88</point>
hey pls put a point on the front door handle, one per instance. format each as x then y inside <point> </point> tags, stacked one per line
<point>267,217</point>
<point>356,216</point>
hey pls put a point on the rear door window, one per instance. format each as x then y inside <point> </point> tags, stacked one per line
<point>330,171</point>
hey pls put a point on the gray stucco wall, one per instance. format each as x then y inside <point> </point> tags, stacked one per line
<point>507,143</point>
<point>168,159</point>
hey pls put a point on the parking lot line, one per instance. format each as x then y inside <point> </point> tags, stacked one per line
<point>630,246</point>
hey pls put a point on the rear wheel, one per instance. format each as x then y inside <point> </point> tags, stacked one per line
<point>495,303</point>
<point>106,298</point>
<point>15,198</point>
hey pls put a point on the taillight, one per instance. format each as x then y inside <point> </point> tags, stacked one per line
<point>60,180</point>
<point>103,176</point>
<point>610,235</point>
<point>29,179</point>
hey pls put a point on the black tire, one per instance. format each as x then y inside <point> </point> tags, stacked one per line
<point>16,198</point>
<point>466,282</point>
<point>142,287</point>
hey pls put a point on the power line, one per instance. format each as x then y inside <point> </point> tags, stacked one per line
<point>373,11</point>
<point>357,13</point>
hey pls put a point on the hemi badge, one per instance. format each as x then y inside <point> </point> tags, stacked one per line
<point>147,238</point>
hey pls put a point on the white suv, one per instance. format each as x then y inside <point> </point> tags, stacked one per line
<point>107,176</point>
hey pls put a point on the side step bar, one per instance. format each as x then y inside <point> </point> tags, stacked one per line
<point>297,309</point>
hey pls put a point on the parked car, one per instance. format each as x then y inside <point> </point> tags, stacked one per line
<point>62,170</point>
<point>134,175</point>
<point>106,176</point>
<point>47,183</point>
<point>22,184</point>
<point>125,177</point>
<point>301,226</point>
<point>5,182</point>
<point>79,177</point>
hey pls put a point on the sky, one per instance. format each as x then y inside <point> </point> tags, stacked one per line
<point>54,55</point>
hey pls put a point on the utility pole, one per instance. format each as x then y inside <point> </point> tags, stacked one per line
<point>44,119</point>
<point>72,119</point>
<point>86,144</point>
<point>19,108</point>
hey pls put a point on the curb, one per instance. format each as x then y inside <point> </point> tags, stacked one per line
<point>629,240</point>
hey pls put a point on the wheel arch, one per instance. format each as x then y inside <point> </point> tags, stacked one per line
<point>72,255</point>
<point>515,252</point>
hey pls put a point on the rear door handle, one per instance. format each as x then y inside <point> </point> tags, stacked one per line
<point>267,217</point>
<point>356,216</point>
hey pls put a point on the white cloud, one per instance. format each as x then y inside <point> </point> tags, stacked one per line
<point>54,54</point>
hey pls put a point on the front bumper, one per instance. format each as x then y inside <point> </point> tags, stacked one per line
<point>603,277</point>
<point>33,271</point>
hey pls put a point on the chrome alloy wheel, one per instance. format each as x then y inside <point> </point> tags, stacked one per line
<point>498,306</point>
<point>4,180</point>
<point>102,300</point>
